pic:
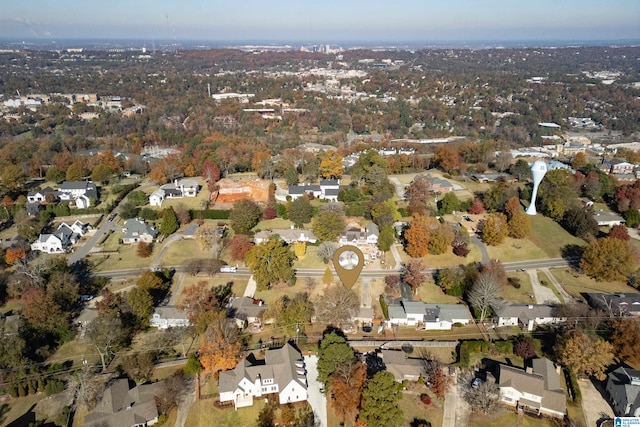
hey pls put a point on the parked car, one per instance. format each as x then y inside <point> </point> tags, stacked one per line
<point>476,382</point>
<point>228,269</point>
<point>367,328</point>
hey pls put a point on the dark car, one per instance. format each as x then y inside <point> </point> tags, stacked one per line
<point>367,328</point>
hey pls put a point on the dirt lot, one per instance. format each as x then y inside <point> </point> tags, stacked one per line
<point>234,189</point>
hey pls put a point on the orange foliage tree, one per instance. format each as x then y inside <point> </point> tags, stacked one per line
<point>13,255</point>
<point>197,300</point>
<point>220,347</point>
<point>347,383</point>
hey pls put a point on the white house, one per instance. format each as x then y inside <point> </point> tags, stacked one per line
<point>607,218</point>
<point>72,190</point>
<point>289,235</point>
<point>328,190</point>
<point>527,315</point>
<point>282,372</point>
<point>536,390</point>
<point>169,317</point>
<point>58,241</point>
<point>40,195</point>
<point>185,187</point>
<point>355,235</point>
<point>429,316</point>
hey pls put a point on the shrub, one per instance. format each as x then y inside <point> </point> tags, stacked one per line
<point>505,347</point>
<point>53,387</point>
<point>425,398</point>
<point>515,282</point>
<point>572,383</point>
<point>384,307</point>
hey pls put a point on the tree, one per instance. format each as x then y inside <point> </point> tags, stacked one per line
<point>244,216</point>
<point>105,333</point>
<point>380,401</point>
<point>239,246</point>
<point>197,300</point>
<point>385,213</point>
<point>300,211</point>
<point>453,280</point>
<point>128,210</point>
<point>328,226</point>
<point>101,173</point>
<point>305,416</point>
<point>626,339</point>
<point>208,237</point>
<point>13,255</point>
<point>447,158</point>
<point>477,207</point>
<point>54,174</point>
<point>512,206</point>
<point>449,203</point>
<point>521,170</point>
<point>414,275</point>
<point>144,249</point>
<point>13,177</point>
<point>169,224</point>
<point>139,367</point>
<point>579,161</point>
<point>495,229</point>
<point>220,345</point>
<point>137,198</point>
<point>417,194</point>
<point>337,305</point>
<point>418,235</point>
<point>584,354</point>
<point>291,176</point>
<point>519,225</point>
<point>483,398</point>
<point>211,174</point>
<point>41,310</point>
<point>75,172</point>
<point>619,232</point>
<point>326,251</point>
<point>524,348</point>
<point>441,238</point>
<point>484,292</point>
<point>333,351</point>
<point>580,222</point>
<point>141,304</point>
<point>270,262</point>
<point>291,314</point>
<point>331,165</point>
<point>609,259</point>
<point>386,238</point>
<point>347,384</point>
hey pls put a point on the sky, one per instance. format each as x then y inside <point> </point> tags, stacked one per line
<point>324,20</point>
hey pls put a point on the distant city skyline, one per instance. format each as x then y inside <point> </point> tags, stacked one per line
<point>326,21</point>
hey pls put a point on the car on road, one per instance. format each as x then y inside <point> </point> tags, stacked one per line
<point>476,382</point>
<point>111,217</point>
<point>228,269</point>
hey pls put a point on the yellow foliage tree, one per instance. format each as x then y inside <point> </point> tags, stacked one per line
<point>300,249</point>
<point>331,165</point>
<point>585,355</point>
<point>494,229</point>
<point>220,347</point>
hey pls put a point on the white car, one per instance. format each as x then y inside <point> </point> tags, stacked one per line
<point>228,269</point>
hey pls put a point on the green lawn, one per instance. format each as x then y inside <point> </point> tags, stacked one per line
<point>310,260</point>
<point>20,406</point>
<point>273,224</point>
<point>503,417</point>
<point>431,293</point>
<point>550,237</point>
<point>180,252</point>
<point>448,259</point>
<point>575,283</point>
<point>125,258</point>
<point>512,250</point>
<point>521,295</point>
<point>203,413</point>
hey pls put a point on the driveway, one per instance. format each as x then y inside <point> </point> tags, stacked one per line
<point>250,290</point>
<point>542,293</point>
<point>317,400</point>
<point>84,250</point>
<point>173,238</point>
<point>567,298</point>
<point>475,240</point>
<point>594,406</point>
<point>399,187</point>
<point>456,410</point>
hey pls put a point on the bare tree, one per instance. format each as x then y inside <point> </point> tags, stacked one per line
<point>106,334</point>
<point>483,397</point>
<point>484,292</point>
<point>337,305</point>
<point>326,250</point>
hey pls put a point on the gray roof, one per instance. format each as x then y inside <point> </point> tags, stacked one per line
<point>289,235</point>
<point>244,307</point>
<point>88,186</point>
<point>170,312</point>
<point>279,364</point>
<point>124,407</point>
<point>396,311</point>
<point>135,227</point>
<point>331,192</point>
<point>432,312</point>
<point>401,366</point>
<point>329,182</point>
<point>620,384</point>
<point>624,302</point>
<point>523,311</point>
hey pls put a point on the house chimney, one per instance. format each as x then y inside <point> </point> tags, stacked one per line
<point>529,370</point>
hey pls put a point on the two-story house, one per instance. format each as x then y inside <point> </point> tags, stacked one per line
<point>282,372</point>
<point>61,239</point>
<point>355,235</point>
<point>185,187</point>
<point>81,192</point>
<point>289,235</point>
<point>623,388</point>
<point>536,389</point>
<point>136,230</point>
<point>328,190</point>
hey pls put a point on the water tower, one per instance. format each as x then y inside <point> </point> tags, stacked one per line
<point>538,170</point>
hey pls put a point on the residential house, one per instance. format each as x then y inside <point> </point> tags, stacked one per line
<point>618,166</point>
<point>33,209</point>
<point>607,218</point>
<point>618,304</point>
<point>402,367</point>
<point>440,185</point>
<point>189,233</point>
<point>428,316</point>
<point>124,407</point>
<point>136,230</point>
<point>169,317</point>
<point>179,188</point>
<point>81,192</point>
<point>245,309</point>
<point>40,196</point>
<point>282,372</point>
<point>60,240</point>
<point>623,388</point>
<point>536,389</point>
<point>355,235</point>
<point>289,235</point>
<point>526,315</point>
<point>328,190</point>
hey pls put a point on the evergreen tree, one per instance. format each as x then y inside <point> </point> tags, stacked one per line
<point>169,223</point>
<point>380,401</point>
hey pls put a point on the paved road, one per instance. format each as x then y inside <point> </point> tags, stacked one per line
<point>594,406</point>
<point>317,400</point>
<point>84,250</point>
<point>475,240</point>
<point>542,293</point>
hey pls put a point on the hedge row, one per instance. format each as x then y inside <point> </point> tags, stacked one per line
<point>385,307</point>
<point>209,214</point>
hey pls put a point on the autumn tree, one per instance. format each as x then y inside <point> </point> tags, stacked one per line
<point>626,339</point>
<point>270,262</point>
<point>139,367</point>
<point>328,226</point>
<point>447,158</point>
<point>244,215</point>
<point>220,345</point>
<point>417,194</point>
<point>13,177</point>
<point>41,310</point>
<point>418,234</point>
<point>300,211</point>
<point>239,246</point>
<point>337,305</point>
<point>519,225</point>
<point>347,385</point>
<point>291,313</point>
<point>101,173</point>
<point>524,348</point>
<point>198,299</point>
<point>331,165</point>
<point>380,401</point>
<point>579,161</point>
<point>484,292</point>
<point>477,207</point>
<point>495,229</point>
<point>414,274</point>
<point>144,249</point>
<point>13,255</point>
<point>208,237</point>
<point>609,259</point>
<point>441,238</point>
<point>385,213</point>
<point>169,223</point>
<point>584,354</point>
<point>211,174</point>
<point>619,232</point>
<point>512,206</point>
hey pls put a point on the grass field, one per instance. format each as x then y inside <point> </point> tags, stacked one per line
<point>431,293</point>
<point>549,236</point>
<point>180,252</point>
<point>503,417</point>
<point>516,250</point>
<point>272,224</point>
<point>521,295</point>
<point>448,259</point>
<point>413,408</point>
<point>18,407</point>
<point>575,283</point>
<point>125,258</point>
